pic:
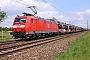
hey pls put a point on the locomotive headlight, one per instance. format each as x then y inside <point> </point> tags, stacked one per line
<point>14,26</point>
<point>22,26</point>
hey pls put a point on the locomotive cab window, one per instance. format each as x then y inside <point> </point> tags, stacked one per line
<point>20,20</point>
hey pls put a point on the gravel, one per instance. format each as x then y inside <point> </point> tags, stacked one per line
<point>43,52</point>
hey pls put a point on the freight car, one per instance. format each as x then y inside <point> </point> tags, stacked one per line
<point>68,28</point>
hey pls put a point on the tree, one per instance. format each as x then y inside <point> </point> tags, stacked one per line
<point>3,16</point>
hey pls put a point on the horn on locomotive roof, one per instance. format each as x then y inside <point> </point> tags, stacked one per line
<point>33,9</point>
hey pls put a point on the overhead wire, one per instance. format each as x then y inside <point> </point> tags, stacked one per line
<point>61,6</point>
<point>48,3</point>
<point>61,10</point>
<point>65,9</point>
<point>45,2</point>
<point>28,6</point>
<point>55,7</point>
<point>20,2</point>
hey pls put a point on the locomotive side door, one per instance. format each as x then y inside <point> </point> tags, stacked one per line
<point>32,26</point>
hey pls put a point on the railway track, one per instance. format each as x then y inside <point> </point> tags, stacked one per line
<point>9,42</point>
<point>10,49</point>
<point>7,50</point>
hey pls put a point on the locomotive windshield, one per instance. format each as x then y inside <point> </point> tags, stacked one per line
<point>20,20</point>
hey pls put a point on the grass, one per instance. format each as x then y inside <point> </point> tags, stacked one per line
<point>78,50</point>
<point>6,36</point>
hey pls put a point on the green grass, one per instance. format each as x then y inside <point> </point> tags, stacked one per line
<point>6,36</point>
<point>78,50</point>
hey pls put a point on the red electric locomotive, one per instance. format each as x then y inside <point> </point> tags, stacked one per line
<point>28,26</point>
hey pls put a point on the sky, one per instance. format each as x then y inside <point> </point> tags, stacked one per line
<point>75,12</point>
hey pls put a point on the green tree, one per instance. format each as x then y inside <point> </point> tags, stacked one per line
<point>3,16</point>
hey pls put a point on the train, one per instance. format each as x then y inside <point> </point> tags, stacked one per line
<point>29,25</point>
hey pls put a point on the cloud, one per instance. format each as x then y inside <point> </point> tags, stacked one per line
<point>47,14</point>
<point>82,18</point>
<point>16,7</point>
<point>84,15</point>
<point>13,8</point>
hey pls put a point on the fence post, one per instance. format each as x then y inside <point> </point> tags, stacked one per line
<point>2,34</point>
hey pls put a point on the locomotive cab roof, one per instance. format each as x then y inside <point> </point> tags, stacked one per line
<point>27,14</point>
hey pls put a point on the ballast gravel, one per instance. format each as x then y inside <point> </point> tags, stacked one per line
<point>43,52</point>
